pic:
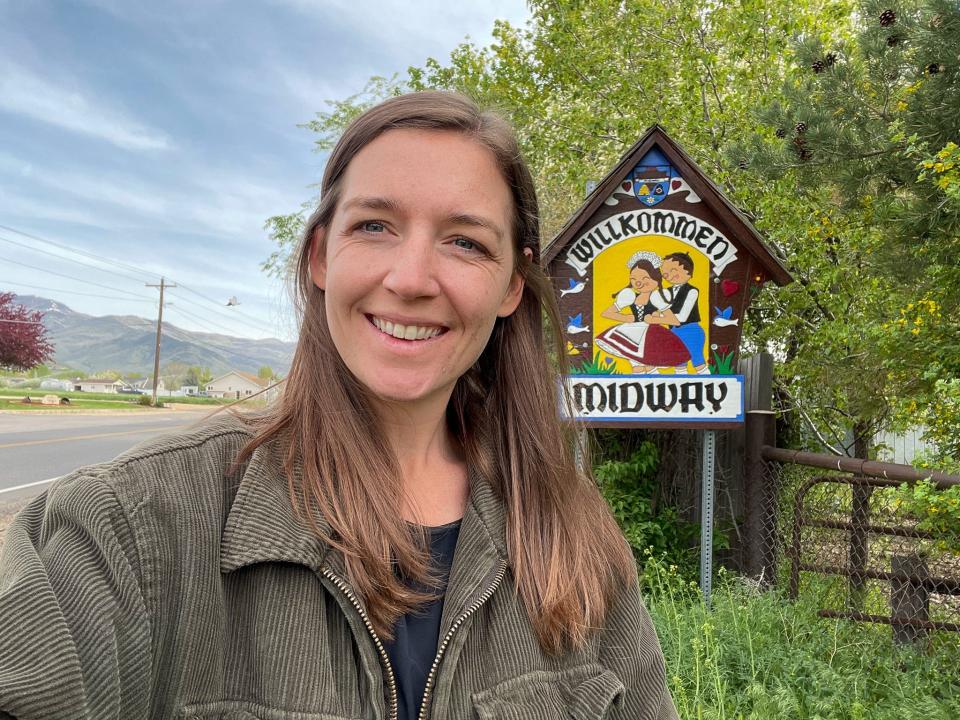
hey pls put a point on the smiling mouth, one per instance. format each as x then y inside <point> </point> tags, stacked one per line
<point>406,332</point>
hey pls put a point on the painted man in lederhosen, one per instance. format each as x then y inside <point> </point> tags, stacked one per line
<point>683,313</point>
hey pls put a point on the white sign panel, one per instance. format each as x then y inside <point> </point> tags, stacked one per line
<point>695,232</point>
<point>653,398</point>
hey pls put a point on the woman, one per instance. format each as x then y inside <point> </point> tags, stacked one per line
<point>281,565</point>
<point>648,347</point>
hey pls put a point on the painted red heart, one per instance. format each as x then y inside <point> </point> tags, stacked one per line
<point>626,185</point>
<point>676,184</point>
<point>729,287</point>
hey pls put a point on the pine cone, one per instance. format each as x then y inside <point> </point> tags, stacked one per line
<point>934,68</point>
<point>800,128</point>
<point>936,21</point>
<point>781,133</point>
<point>743,164</point>
<point>887,18</point>
<point>830,59</point>
<point>818,66</point>
<point>892,41</point>
<point>801,147</point>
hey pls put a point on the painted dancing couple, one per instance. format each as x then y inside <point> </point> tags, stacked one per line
<point>657,328</point>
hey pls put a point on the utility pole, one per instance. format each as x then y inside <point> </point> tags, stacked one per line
<point>156,355</point>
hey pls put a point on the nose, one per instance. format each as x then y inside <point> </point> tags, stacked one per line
<point>412,267</point>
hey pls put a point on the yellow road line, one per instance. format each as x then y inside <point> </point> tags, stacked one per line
<point>49,441</point>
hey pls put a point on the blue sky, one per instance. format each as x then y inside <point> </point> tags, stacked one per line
<point>163,134</point>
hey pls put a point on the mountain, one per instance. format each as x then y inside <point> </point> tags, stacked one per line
<point>126,343</point>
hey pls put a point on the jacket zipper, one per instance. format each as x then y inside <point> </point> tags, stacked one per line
<point>391,680</point>
<point>453,628</point>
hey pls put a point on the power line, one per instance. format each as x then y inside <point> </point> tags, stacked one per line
<point>73,260</point>
<point>71,292</point>
<point>116,263</point>
<point>71,277</point>
<point>264,326</point>
<point>196,318</point>
<point>85,253</point>
<point>237,312</point>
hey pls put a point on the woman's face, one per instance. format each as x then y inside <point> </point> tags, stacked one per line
<point>641,281</point>
<point>418,262</point>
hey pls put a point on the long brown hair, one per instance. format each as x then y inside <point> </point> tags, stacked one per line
<point>567,555</point>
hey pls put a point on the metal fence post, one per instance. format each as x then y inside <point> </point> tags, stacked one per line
<point>762,506</point>
<point>859,550</point>
<point>909,597</point>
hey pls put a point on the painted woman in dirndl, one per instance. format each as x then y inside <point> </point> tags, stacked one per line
<point>646,347</point>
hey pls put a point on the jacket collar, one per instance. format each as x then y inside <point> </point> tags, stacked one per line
<point>262,526</point>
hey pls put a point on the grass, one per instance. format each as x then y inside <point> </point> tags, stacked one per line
<point>74,405</point>
<point>756,655</point>
<point>115,397</point>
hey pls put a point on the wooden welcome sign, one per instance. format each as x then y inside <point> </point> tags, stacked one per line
<point>653,275</point>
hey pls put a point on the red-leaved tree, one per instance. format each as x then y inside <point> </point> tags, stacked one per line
<point>23,337</point>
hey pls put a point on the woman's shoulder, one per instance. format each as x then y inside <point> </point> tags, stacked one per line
<point>162,475</point>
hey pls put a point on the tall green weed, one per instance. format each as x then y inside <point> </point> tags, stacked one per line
<point>756,655</point>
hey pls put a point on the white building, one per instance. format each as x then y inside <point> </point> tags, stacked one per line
<point>98,385</point>
<point>236,385</point>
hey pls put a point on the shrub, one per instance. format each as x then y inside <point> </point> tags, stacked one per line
<point>630,488</point>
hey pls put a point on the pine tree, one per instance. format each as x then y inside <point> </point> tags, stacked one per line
<point>868,127</point>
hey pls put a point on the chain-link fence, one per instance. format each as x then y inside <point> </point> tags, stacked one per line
<point>863,547</point>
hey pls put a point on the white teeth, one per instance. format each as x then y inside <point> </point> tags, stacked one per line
<point>406,332</point>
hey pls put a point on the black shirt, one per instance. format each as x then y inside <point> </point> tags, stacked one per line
<point>416,635</point>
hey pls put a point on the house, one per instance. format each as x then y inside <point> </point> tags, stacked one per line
<point>98,385</point>
<point>61,385</point>
<point>145,385</point>
<point>236,385</point>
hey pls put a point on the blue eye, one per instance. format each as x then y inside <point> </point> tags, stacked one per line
<point>466,244</point>
<point>372,226</point>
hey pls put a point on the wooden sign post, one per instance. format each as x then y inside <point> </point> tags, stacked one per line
<point>653,275</point>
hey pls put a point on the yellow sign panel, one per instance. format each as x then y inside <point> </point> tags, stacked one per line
<point>651,307</point>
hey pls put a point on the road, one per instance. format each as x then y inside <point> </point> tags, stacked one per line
<point>35,448</point>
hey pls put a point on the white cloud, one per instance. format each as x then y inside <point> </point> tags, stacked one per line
<point>15,205</point>
<point>28,94</point>
<point>431,27</point>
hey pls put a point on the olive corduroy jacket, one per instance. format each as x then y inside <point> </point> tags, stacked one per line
<point>161,585</point>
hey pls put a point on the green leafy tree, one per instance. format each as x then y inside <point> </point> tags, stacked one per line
<point>582,80</point>
<point>266,373</point>
<point>198,376</point>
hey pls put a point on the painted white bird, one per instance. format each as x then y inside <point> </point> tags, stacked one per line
<point>725,317</point>
<point>575,324</point>
<point>573,288</point>
<point>232,301</point>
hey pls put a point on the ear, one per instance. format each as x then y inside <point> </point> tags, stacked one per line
<point>318,258</point>
<point>511,301</point>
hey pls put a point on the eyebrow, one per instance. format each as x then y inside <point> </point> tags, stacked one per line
<point>476,221</point>
<point>382,203</point>
<point>373,203</point>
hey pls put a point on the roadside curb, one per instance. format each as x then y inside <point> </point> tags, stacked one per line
<point>106,411</point>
